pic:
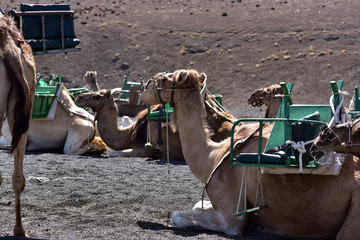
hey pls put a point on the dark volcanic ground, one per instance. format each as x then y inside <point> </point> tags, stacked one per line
<point>241,45</point>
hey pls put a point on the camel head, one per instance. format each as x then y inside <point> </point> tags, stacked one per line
<point>172,87</point>
<point>95,100</point>
<point>341,138</point>
<point>270,96</point>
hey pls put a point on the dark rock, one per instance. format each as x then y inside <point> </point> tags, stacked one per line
<point>125,66</point>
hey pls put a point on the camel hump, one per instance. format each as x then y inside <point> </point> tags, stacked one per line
<point>11,42</point>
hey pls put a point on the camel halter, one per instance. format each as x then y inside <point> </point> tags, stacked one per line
<point>350,143</point>
<point>173,88</point>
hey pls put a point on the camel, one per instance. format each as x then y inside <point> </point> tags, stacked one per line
<point>303,206</point>
<point>71,129</point>
<point>17,89</point>
<point>270,96</point>
<point>132,139</point>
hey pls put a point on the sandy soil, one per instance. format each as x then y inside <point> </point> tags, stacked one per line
<point>240,44</point>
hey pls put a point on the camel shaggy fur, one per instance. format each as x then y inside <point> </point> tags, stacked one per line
<point>17,88</point>
<point>304,206</point>
<point>132,139</point>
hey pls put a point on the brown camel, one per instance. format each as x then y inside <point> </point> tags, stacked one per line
<point>17,89</point>
<point>297,206</point>
<point>134,137</point>
<point>270,96</point>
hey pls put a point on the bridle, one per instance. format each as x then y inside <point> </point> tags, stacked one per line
<point>172,88</point>
<point>349,143</point>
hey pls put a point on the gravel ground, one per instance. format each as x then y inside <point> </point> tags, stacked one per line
<point>99,197</point>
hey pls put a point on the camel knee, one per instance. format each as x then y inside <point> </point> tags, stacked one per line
<point>18,183</point>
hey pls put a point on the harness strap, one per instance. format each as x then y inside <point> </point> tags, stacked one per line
<point>173,86</point>
<point>161,110</point>
<point>218,164</point>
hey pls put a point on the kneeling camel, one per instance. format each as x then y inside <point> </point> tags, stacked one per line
<point>297,206</point>
<point>132,138</point>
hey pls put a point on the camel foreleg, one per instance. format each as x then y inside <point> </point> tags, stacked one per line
<point>207,218</point>
<point>18,183</point>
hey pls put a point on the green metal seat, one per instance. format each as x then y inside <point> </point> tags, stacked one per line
<point>44,97</point>
<point>289,116</point>
<point>265,158</point>
<point>130,91</point>
<point>46,90</point>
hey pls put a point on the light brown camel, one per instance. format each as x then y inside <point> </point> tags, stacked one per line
<point>132,139</point>
<point>270,96</point>
<point>297,205</point>
<point>17,88</point>
<point>71,129</point>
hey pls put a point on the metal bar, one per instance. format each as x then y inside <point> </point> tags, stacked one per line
<point>357,100</point>
<point>260,142</point>
<point>43,31</point>
<point>56,51</point>
<point>38,13</point>
<point>62,32</point>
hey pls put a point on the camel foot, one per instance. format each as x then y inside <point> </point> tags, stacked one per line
<point>19,231</point>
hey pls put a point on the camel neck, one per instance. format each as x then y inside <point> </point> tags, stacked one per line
<point>115,136</point>
<point>199,150</point>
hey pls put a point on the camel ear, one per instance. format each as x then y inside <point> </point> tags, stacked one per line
<point>202,78</point>
<point>182,77</point>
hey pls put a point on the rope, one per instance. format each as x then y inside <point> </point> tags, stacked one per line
<point>337,117</point>
<point>300,146</point>
<point>168,157</point>
<point>243,182</point>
